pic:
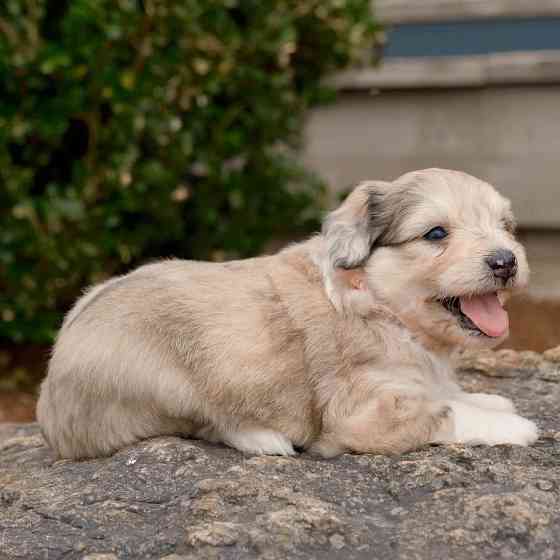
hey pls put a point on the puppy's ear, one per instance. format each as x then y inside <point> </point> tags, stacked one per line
<point>351,230</point>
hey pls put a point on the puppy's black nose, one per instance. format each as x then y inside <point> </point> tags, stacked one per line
<point>503,264</point>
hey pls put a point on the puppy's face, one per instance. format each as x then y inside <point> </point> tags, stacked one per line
<point>436,247</point>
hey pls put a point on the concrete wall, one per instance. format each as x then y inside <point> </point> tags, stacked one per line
<point>411,11</point>
<point>509,136</point>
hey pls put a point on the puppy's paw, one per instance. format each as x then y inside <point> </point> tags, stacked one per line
<point>475,426</point>
<point>490,402</point>
<point>513,429</point>
<point>260,442</point>
<point>326,448</point>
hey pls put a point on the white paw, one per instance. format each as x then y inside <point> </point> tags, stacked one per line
<point>260,442</point>
<point>491,402</point>
<point>518,431</point>
<point>473,425</point>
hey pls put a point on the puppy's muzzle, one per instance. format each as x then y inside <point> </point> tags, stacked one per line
<point>503,264</point>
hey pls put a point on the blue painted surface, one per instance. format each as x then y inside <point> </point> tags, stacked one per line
<point>473,37</point>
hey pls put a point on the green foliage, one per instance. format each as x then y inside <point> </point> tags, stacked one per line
<point>131,129</point>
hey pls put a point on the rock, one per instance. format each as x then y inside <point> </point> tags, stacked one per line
<point>175,499</point>
<point>215,534</point>
<point>551,373</point>
<point>552,355</point>
<point>530,359</point>
<point>337,541</point>
<point>502,363</point>
<point>545,485</point>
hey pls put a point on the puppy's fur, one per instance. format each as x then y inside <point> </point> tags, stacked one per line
<point>340,343</point>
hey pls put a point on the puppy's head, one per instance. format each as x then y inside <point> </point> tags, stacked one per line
<point>435,247</point>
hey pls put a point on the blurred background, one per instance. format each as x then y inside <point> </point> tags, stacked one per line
<point>137,129</point>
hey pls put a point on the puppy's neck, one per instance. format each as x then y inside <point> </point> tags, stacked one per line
<point>443,349</point>
<point>350,294</point>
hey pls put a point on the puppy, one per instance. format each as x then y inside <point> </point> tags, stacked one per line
<point>341,343</point>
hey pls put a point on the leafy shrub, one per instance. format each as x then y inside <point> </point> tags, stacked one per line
<point>131,129</point>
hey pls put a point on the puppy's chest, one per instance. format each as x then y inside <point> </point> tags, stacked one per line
<point>387,346</point>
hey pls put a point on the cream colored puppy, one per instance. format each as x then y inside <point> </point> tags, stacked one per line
<point>341,343</point>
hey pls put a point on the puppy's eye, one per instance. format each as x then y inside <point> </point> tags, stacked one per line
<point>436,234</point>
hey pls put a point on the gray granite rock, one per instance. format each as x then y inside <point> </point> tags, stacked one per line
<point>174,499</point>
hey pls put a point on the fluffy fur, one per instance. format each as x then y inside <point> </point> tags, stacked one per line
<point>336,344</point>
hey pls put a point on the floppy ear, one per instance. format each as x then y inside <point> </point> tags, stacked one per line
<point>351,230</point>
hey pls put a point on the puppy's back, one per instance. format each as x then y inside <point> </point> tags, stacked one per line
<point>155,352</point>
<point>102,363</point>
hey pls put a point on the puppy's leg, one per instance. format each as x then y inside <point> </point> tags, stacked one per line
<point>475,425</point>
<point>390,421</point>
<point>489,402</point>
<point>254,441</point>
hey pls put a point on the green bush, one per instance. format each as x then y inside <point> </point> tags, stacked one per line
<point>131,129</point>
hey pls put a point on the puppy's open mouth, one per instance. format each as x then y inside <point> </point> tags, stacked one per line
<point>481,315</point>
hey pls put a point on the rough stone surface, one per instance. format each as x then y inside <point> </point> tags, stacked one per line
<point>176,499</point>
<point>553,355</point>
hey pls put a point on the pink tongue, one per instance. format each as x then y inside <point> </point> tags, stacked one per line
<point>486,313</point>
